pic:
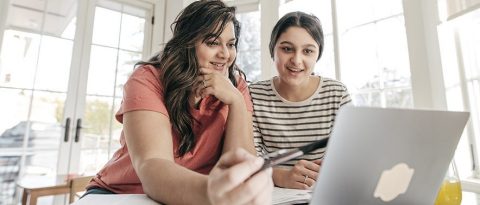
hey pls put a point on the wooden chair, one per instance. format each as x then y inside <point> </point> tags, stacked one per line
<point>78,184</point>
<point>71,186</point>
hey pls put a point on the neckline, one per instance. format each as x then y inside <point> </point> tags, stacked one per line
<point>306,101</point>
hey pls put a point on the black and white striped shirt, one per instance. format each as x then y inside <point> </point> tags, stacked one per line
<point>281,124</point>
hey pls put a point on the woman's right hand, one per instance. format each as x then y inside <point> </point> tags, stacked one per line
<point>302,175</point>
<point>231,180</point>
<point>213,83</point>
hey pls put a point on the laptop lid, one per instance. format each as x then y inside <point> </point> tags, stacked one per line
<point>410,150</point>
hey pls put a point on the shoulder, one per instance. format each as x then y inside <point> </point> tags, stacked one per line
<point>264,85</point>
<point>146,71</point>
<point>329,83</point>
<point>144,77</point>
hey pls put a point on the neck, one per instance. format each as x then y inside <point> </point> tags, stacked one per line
<point>299,92</point>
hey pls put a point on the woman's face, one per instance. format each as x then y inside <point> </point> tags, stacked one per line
<point>218,54</point>
<point>295,55</point>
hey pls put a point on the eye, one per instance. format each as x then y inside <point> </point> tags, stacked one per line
<point>308,51</point>
<point>287,49</point>
<point>231,45</point>
<point>212,43</point>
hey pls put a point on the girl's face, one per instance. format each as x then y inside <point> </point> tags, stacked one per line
<point>295,55</point>
<point>218,54</point>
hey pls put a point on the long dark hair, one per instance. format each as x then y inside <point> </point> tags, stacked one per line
<point>178,64</point>
<point>299,19</point>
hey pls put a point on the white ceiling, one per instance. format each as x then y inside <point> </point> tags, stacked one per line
<point>29,15</point>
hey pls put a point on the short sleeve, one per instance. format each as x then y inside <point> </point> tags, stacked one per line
<point>142,91</point>
<point>243,88</point>
<point>346,99</point>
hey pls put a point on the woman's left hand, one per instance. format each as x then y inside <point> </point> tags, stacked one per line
<point>213,83</point>
<point>232,181</point>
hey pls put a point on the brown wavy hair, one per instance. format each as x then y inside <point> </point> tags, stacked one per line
<point>178,63</point>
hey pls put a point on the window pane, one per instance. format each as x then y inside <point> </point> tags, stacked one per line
<point>393,52</point>
<point>326,64</point>
<point>470,40</point>
<point>249,62</point>
<point>126,61</point>
<point>455,98</point>
<point>54,61</point>
<point>106,27</point>
<point>400,98</point>
<point>132,32</point>
<point>353,13</point>
<point>116,129</point>
<point>248,51</point>
<point>46,115</point>
<point>450,66</point>
<point>41,163</point>
<point>474,101</point>
<point>92,160</point>
<point>463,157</point>
<point>374,52</point>
<point>101,75</point>
<point>14,112</point>
<point>98,121</point>
<point>386,8</point>
<point>359,59</point>
<point>367,99</point>
<point>461,71</point>
<point>19,59</point>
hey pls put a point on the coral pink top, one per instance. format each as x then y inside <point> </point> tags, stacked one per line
<point>143,91</point>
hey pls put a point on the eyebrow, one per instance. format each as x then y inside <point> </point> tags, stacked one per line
<point>210,36</point>
<point>304,46</point>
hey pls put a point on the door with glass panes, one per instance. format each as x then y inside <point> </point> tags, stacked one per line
<point>62,67</point>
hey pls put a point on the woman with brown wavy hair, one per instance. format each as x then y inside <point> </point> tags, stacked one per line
<point>187,131</point>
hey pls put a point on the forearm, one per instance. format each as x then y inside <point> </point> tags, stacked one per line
<point>238,129</point>
<point>169,183</point>
<point>278,175</point>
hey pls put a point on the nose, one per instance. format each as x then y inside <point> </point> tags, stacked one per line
<point>296,59</point>
<point>224,52</point>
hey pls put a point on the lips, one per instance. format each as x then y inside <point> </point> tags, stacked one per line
<point>293,69</point>
<point>218,66</point>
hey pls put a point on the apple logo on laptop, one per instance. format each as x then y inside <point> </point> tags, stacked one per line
<point>393,182</point>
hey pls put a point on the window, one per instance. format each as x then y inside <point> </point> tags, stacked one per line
<point>373,52</point>
<point>460,40</point>
<point>117,44</point>
<point>58,63</point>
<point>248,51</point>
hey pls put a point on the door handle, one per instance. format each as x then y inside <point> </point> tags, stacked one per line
<point>77,130</point>
<point>67,130</point>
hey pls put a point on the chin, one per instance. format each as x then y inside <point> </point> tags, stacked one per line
<point>294,81</point>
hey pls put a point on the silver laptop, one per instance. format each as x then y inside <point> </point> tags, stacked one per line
<point>387,156</point>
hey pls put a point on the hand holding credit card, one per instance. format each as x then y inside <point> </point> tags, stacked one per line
<point>283,155</point>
